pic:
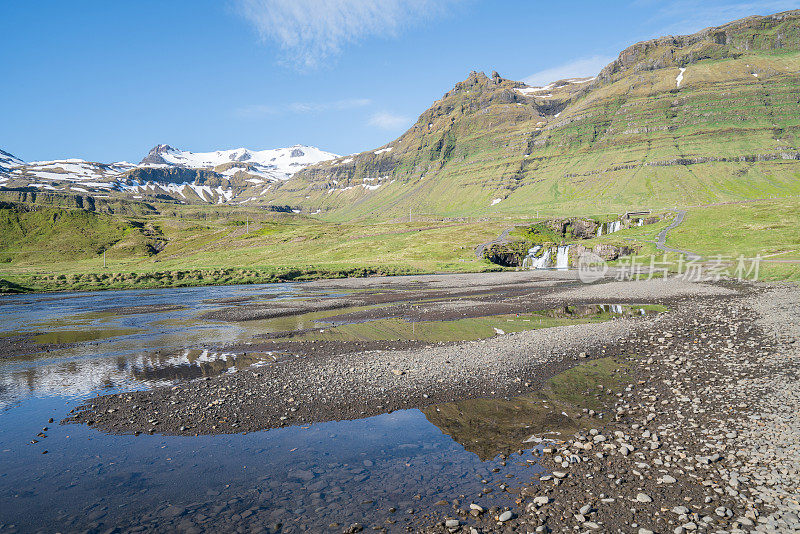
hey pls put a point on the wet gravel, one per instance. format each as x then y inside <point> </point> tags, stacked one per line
<point>337,385</point>
<point>16,345</point>
<point>702,437</point>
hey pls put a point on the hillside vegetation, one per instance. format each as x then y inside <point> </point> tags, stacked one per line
<point>51,248</point>
<point>707,122</point>
<point>673,121</point>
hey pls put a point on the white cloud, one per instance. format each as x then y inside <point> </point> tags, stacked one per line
<point>389,121</point>
<point>262,110</point>
<point>311,31</point>
<point>579,68</point>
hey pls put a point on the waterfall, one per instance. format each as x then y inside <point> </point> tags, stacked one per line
<point>562,258</point>
<point>541,262</point>
<point>609,228</point>
<point>546,260</point>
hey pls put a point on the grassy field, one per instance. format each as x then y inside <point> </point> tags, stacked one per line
<point>770,229</point>
<point>50,248</point>
<point>66,249</point>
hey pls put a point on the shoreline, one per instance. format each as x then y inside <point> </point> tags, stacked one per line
<point>359,379</point>
<point>277,275</point>
<point>681,443</point>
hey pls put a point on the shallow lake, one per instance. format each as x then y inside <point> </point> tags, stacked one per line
<point>385,471</point>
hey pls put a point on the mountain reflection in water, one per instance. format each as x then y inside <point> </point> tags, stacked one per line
<point>489,427</point>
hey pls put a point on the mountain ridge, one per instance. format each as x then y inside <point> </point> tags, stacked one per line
<point>714,42</point>
<point>165,173</point>
<point>700,118</point>
<point>706,117</point>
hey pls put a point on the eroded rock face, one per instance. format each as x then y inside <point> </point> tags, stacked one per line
<point>605,251</point>
<point>727,41</point>
<point>575,227</point>
<point>507,254</point>
<point>176,175</point>
<point>512,253</point>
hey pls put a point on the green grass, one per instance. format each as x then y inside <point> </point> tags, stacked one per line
<point>50,234</point>
<point>769,228</point>
<point>63,249</point>
<point>42,250</point>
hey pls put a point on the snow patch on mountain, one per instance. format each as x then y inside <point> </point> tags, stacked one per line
<point>206,193</point>
<point>241,169</point>
<point>274,164</point>
<point>534,91</point>
<point>8,161</point>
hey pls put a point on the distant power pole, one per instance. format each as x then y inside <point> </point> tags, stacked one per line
<point>409,214</point>
<point>104,259</point>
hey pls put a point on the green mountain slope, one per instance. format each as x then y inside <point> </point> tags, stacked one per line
<point>685,120</point>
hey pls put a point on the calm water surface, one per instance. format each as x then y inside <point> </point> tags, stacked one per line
<point>290,479</point>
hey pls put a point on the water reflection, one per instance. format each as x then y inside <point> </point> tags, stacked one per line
<point>301,478</point>
<point>192,363</point>
<point>78,344</point>
<point>80,377</point>
<point>490,427</point>
<point>385,471</point>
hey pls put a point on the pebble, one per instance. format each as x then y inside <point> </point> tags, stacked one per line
<point>506,516</point>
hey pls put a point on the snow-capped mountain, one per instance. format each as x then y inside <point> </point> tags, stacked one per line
<point>275,164</point>
<point>166,173</point>
<point>7,161</point>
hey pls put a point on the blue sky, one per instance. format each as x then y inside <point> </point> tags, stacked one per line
<point>106,81</point>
